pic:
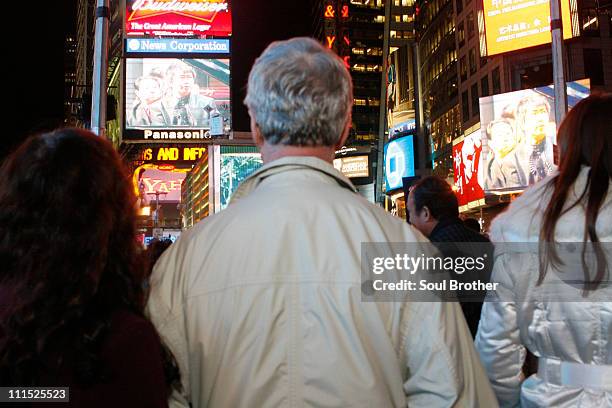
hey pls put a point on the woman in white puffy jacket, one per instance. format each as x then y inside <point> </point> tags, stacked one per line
<point>565,322</point>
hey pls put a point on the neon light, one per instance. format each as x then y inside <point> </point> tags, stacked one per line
<point>330,12</point>
<point>330,41</point>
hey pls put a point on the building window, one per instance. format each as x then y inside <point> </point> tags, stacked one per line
<point>358,68</point>
<point>461,34</point>
<point>475,102</point>
<point>593,65</point>
<point>470,25</point>
<point>590,22</point>
<point>496,81</point>
<point>465,107</point>
<point>472,58</point>
<point>463,69</point>
<point>358,51</point>
<point>360,102</point>
<point>484,86</point>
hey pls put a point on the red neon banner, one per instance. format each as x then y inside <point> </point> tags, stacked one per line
<point>178,17</point>
<point>330,40</point>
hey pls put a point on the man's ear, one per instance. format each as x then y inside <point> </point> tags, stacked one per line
<point>256,132</point>
<point>426,213</point>
<point>345,133</point>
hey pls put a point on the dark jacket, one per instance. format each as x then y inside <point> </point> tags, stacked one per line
<point>131,355</point>
<point>454,240</point>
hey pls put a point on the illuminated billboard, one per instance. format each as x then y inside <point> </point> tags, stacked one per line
<point>466,159</point>
<point>509,25</point>
<point>518,133</point>
<point>165,180</point>
<point>408,126</point>
<point>399,161</point>
<point>170,154</point>
<point>353,167</point>
<point>178,18</point>
<point>176,46</point>
<point>234,164</point>
<point>171,99</point>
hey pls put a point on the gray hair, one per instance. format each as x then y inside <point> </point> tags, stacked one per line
<point>300,94</point>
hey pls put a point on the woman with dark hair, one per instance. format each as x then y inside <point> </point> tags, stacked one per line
<point>71,295</point>
<point>556,309</point>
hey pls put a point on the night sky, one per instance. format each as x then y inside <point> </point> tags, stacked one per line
<point>36,52</point>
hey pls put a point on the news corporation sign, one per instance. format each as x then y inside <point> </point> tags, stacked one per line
<point>178,18</point>
<point>176,46</point>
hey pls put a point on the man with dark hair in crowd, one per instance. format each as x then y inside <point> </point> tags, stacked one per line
<point>434,210</point>
<point>472,223</point>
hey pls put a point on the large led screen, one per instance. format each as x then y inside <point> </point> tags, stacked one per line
<point>399,161</point>
<point>235,167</point>
<point>178,17</point>
<point>511,25</point>
<point>171,93</point>
<point>518,133</point>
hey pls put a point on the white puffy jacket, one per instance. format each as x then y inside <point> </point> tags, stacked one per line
<point>261,305</point>
<point>569,338</point>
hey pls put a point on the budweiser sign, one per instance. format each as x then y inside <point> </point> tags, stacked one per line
<point>178,17</point>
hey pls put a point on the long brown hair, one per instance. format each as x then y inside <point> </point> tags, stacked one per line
<point>70,256</point>
<point>585,139</point>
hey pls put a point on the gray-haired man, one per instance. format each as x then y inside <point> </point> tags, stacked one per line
<point>261,303</point>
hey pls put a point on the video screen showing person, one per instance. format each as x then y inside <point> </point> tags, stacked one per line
<point>518,133</point>
<point>177,93</point>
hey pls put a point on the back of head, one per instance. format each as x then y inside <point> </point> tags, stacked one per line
<point>437,195</point>
<point>300,94</point>
<point>585,139</point>
<point>155,249</point>
<point>472,223</point>
<point>68,246</point>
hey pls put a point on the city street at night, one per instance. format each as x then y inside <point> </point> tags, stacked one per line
<point>311,203</point>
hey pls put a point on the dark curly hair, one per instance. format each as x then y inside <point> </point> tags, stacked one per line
<point>70,256</point>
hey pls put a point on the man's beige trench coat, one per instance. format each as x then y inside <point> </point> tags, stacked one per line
<point>261,305</point>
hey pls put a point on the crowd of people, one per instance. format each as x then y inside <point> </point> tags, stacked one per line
<point>260,305</point>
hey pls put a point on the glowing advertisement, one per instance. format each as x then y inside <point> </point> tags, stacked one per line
<point>176,46</point>
<point>511,25</point>
<point>172,154</point>
<point>404,127</point>
<point>171,99</point>
<point>165,180</point>
<point>466,160</point>
<point>178,18</point>
<point>399,161</point>
<point>353,167</point>
<point>235,167</point>
<point>518,133</point>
